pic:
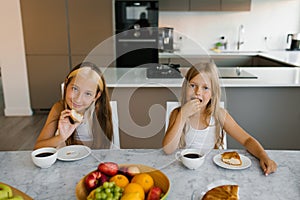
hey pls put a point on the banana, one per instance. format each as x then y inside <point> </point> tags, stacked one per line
<point>5,191</point>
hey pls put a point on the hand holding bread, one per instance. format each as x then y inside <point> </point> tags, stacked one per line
<point>67,124</point>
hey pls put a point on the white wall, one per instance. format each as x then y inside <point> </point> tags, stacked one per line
<point>273,19</point>
<point>12,60</point>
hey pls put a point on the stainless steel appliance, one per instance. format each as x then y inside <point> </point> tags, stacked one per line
<point>295,42</point>
<point>136,33</point>
<point>166,39</point>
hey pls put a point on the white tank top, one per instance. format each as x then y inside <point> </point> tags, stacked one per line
<point>204,139</point>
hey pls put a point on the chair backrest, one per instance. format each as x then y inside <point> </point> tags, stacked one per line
<point>171,105</point>
<point>115,119</point>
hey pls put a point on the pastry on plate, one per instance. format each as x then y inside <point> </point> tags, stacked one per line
<point>231,158</point>
<point>223,192</point>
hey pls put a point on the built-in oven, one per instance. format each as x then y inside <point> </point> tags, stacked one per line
<point>136,33</point>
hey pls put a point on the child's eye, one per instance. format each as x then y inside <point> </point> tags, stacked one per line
<point>88,94</point>
<point>192,85</point>
<point>74,88</point>
<point>206,88</point>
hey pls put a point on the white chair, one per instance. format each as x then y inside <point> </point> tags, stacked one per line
<point>115,120</point>
<point>171,105</point>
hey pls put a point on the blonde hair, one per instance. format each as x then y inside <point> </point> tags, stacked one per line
<point>102,105</point>
<point>213,106</point>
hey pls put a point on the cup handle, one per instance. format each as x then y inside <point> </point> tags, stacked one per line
<point>178,155</point>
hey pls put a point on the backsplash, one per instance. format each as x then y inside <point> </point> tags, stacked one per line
<point>265,27</point>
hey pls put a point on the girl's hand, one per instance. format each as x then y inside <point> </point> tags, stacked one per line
<point>65,127</point>
<point>191,107</point>
<point>268,166</point>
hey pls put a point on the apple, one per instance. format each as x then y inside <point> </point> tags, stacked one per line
<point>133,170</point>
<point>103,179</point>
<point>5,191</point>
<point>130,171</point>
<point>92,180</point>
<point>154,193</point>
<point>108,168</point>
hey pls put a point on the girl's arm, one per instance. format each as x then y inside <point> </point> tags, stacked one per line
<point>174,131</point>
<point>252,145</point>
<point>178,119</point>
<point>57,122</point>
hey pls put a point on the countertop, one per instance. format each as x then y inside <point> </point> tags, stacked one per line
<point>59,181</point>
<point>266,76</point>
<point>287,57</point>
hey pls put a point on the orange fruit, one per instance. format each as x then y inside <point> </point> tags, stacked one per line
<point>120,180</point>
<point>145,180</point>
<point>134,188</point>
<point>131,196</point>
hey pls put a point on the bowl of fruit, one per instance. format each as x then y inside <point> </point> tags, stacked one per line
<point>123,182</point>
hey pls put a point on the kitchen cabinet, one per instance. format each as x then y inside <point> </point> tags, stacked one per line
<point>46,47</point>
<point>270,114</point>
<point>90,23</point>
<point>58,35</point>
<point>261,111</point>
<point>174,5</point>
<point>204,5</point>
<point>236,5</point>
<point>46,72</point>
<point>44,31</point>
<point>141,126</point>
<point>225,61</point>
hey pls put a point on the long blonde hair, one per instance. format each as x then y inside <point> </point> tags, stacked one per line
<point>102,104</point>
<point>213,106</point>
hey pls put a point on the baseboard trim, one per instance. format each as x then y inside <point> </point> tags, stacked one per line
<point>17,112</point>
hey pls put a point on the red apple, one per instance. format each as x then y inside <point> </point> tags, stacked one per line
<point>154,193</point>
<point>133,170</point>
<point>103,179</point>
<point>108,168</point>
<point>92,180</point>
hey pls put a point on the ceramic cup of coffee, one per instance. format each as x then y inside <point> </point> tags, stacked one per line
<point>191,158</point>
<point>44,157</point>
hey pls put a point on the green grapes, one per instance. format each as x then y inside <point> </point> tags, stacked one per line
<point>107,191</point>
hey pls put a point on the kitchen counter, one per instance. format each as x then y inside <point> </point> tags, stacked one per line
<point>59,181</point>
<point>287,57</point>
<point>266,77</point>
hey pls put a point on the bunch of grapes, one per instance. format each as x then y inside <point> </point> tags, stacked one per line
<point>108,191</point>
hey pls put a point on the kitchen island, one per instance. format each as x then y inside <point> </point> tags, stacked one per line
<point>265,107</point>
<point>59,181</point>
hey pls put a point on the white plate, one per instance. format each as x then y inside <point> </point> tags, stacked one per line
<point>73,152</point>
<point>246,162</point>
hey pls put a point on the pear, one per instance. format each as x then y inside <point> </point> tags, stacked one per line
<point>14,198</point>
<point>5,191</point>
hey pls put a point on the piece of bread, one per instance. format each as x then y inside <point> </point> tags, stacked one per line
<point>76,116</point>
<point>231,158</point>
<point>224,192</point>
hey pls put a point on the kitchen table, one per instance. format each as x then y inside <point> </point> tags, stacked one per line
<point>59,181</point>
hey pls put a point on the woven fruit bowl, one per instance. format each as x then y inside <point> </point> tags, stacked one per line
<point>160,180</point>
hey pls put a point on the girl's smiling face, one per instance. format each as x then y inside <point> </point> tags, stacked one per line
<point>81,92</point>
<point>199,87</point>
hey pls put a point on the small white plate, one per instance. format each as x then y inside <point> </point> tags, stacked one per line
<point>73,152</point>
<point>246,162</point>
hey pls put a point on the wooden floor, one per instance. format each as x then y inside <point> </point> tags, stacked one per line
<point>19,133</point>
